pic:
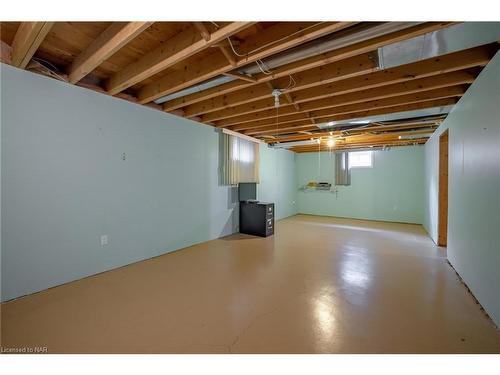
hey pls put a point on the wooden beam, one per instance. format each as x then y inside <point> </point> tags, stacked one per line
<point>431,95</point>
<point>104,46</point>
<point>5,53</point>
<point>354,146</point>
<point>414,86</point>
<point>229,56</point>
<point>178,112</point>
<point>364,140</point>
<point>175,50</point>
<point>446,92</point>
<point>470,58</point>
<point>354,66</point>
<point>312,62</point>
<point>243,77</point>
<point>354,115</point>
<point>205,34</point>
<point>474,57</point>
<point>290,35</point>
<point>360,130</point>
<point>28,38</point>
<point>298,133</point>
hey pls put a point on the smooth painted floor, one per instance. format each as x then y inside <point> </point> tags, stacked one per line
<point>320,285</point>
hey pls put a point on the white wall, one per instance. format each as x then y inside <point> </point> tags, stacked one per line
<point>64,183</point>
<point>474,187</point>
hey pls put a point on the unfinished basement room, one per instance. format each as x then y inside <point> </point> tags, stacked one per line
<point>250,187</point>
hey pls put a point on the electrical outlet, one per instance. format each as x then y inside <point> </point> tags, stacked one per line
<point>104,240</point>
<point>395,208</point>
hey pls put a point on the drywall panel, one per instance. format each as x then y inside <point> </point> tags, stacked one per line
<point>278,180</point>
<point>390,191</point>
<point>77,165</point>
<point>474,187</point>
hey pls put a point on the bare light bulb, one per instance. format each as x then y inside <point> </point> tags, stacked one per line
<point>330,142</point>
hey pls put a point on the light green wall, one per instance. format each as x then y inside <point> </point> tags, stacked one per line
<point>64,183</point>
<point>390,191</point>
<point>278,180</point>
<point>474,187</point>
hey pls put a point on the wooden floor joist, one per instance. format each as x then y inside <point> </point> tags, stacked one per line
<point>419,85</point>
<point>185,45</point>
<point>470,58</point>
<point>354,66</point>
<point>293,34</point>
<point>353,115</point>
<point>406,126</point>
<point>353,146</point>
<point>111,40</point>
<point>309,63</point>
<point>28,38</point>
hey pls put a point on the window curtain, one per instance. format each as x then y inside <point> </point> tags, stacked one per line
<point>240,160</point>
<point>342,171</point>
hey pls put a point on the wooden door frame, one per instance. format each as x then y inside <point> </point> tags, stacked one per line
<point>443,188</point>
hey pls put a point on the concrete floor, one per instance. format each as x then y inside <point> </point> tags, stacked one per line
<point>320,285</point>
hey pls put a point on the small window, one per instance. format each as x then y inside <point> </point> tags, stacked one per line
<point>361,159</point>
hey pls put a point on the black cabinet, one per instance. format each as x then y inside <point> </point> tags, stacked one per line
<point>257,218</point>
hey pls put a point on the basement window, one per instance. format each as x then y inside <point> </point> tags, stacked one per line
<point>361,159</point>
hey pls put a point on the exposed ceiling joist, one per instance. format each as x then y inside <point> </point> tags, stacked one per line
<point>28,38</point>
<point>309,63</point>
<point>407,126</point>
<point>110,41</point>
<point>347,68</point>
<point>281,37</point>
<point>205,34</point>
<point>179,48</point>
<point>367,144</point>
<point>353,115</point>
<point>473,57</point>
<point>338,107</point>
<point>423,84</point>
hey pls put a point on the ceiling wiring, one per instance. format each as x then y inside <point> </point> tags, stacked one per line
<point>275,41</point>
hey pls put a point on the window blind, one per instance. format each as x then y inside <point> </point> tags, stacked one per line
<point>342,171</point>
<point>240,160</point>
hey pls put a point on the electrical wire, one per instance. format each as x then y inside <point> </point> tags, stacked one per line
<point>234,50</point>
<point>291,84</point>
<point>274,41</point>
<point>39,61</point>
<point>262,68</point>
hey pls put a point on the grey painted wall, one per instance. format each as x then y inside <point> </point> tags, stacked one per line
<point>474,187</point>
<point>64,183</point>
